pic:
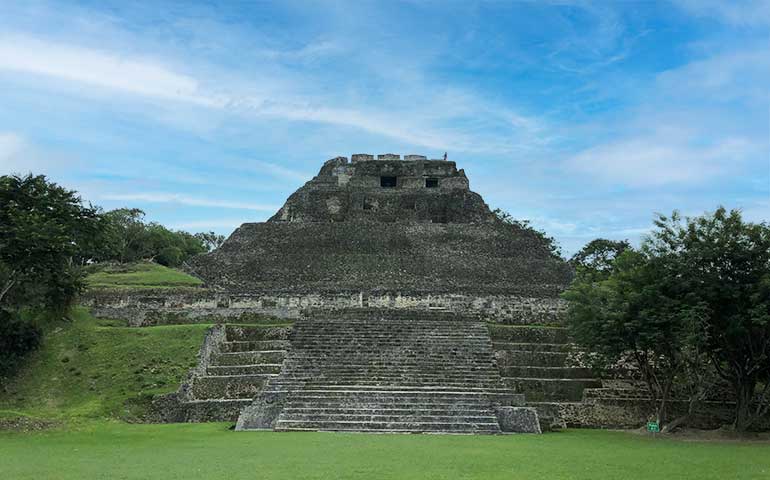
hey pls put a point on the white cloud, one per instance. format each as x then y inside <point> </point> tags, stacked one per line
<point>734,12</point>
<point>209,224</point>
<point>162,197</point>
<point>100,68</point>
<point>279,171</point>
<point>11,145</point>
<point>18,156</point>
<point>426,121</point>
<point>658,160</point>
<point>723,77</point>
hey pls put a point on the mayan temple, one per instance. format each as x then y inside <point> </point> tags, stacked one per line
<point>383,296</point>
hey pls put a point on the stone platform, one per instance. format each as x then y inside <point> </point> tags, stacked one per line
<point>381,371</point>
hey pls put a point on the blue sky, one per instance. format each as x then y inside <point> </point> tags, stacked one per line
<point>583,117</point>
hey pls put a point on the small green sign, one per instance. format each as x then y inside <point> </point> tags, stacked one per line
<point>653,427</point>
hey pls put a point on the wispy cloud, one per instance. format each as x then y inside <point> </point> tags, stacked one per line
<point>161,197</point>
<point>11,145</point>
<point>431,126</point>
<point>99,68</point>
<point>660,160</point>
<point>734,12</point>
<point>213,224</point>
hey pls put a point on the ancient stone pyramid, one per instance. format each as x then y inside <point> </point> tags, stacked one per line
<point>408,226</point>
<point>394,273</point>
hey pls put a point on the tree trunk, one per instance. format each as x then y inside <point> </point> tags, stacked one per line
<point>743,398</point>
<point>677,422</point>
<point>6,288</point>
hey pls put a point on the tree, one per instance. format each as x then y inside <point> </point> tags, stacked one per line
<point>125,236</point>
<point>46,233</point>
<point>128,238</point>
<point>629,315</point>
<point>724,266</point>
<point>599,255</point>
<point>210,240</point>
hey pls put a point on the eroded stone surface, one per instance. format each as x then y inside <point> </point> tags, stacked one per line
<point>518,419</point>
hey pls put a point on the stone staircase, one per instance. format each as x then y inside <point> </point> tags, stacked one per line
<point>389,371</point>
<point>535,361</point>
<point>235,363</point>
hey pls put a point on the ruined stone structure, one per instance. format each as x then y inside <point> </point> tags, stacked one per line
<point>383,296</point>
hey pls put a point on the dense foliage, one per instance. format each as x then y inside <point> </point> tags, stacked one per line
<point>17,338</point>
<point>128,238</point>
<point>46,233</point>
<point>691,303</point>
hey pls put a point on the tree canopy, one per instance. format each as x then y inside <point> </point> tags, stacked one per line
<point>695,296</point>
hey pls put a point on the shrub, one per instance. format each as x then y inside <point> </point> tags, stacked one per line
<point>17,338</point>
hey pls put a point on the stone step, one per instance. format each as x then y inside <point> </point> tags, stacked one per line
<point>248,346</point>
<point>214,410</point>
<point>399,394</point>
<point>392,367</point>
<point>442,417</point>
<point>490,427</point>
<point>248,358</point>
<point>528,334</point>
<point>379,409</point>
<point>448,346</point>
<point>321,403</point>
<point>511,358</point>
<point>532,347</point>
<point>401,379</point>
<point>244,369</point>
<point>592,395</point>
<point>224,387</point>
<point>551,389</point>
<point>240,333</point>
<point>403,386</point>
<point>391,361</point>
<point>546,372</point>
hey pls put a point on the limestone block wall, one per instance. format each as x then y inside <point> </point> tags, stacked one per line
<point>344,191</point>
<point>166,306</point>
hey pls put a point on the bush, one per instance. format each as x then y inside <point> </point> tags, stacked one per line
<point>17,338</point>
<point>169,256</point>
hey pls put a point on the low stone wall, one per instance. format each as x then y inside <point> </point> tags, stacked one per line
<point>170,306</point>
<point>635,413</point>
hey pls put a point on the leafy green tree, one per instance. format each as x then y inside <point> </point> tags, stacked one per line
<point>630,317</point>
<point>694,299</point>
<point>128,238</point>
<point>723,266</point>
<point>46,233</point>
<point>598,256</point>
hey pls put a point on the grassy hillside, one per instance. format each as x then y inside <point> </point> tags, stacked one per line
<point>192,451</point>
<point>93,368</point>
<point>139,275</point>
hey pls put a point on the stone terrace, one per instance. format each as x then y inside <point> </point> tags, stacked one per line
<point>394,371</point>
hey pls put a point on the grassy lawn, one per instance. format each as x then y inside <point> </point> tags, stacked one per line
<point>140,275</point>
<point>92,368</point>
<point>211,451</point>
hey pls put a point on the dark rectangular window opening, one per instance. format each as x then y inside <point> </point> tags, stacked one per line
<point>388,182</point>
<point>431,183</point>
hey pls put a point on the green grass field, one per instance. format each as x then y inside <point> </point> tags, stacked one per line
<point>211,451</point>
<point>91,376</point>
<point>140,275</point>
<point>92,368</point>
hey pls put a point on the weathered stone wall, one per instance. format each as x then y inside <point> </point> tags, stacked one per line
<point>166,306</point>
<point>412,258</point>
<point>344,191</point>
<point>636,413</point>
